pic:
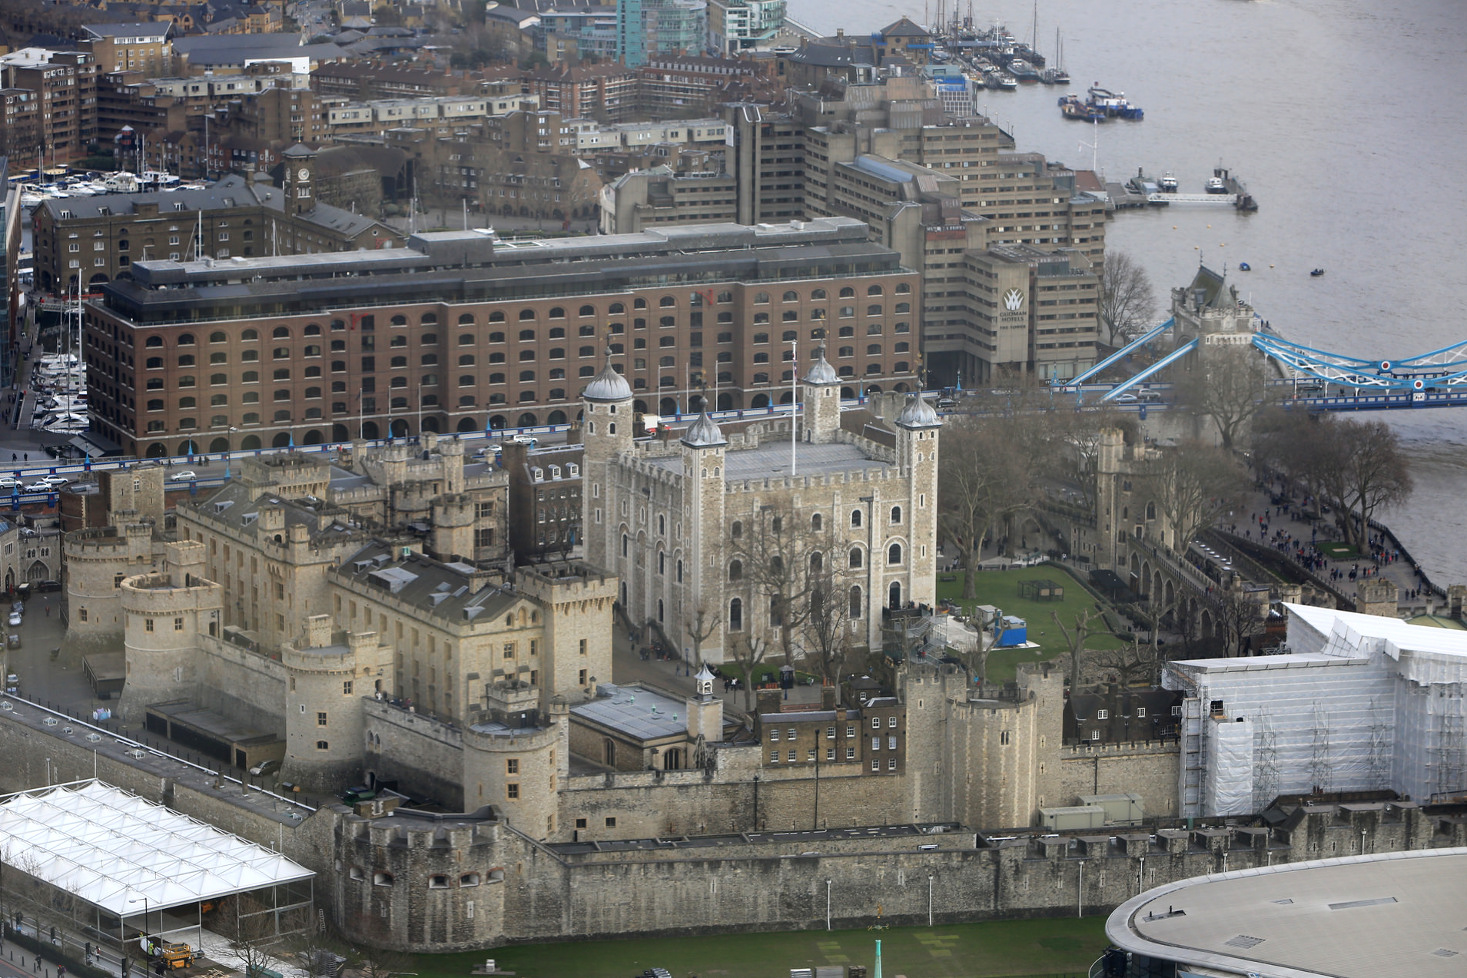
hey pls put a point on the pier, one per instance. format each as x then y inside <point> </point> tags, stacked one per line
<point>1161,200</point>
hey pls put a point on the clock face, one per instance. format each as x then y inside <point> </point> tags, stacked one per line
<point>303,174</point>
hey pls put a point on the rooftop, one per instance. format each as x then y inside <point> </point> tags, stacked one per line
<point>1358,917</point>
<point>640,713</point>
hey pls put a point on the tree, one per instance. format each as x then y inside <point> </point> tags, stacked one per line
<point>1238,615</point>
<point>1074,642</point>
<point>1127,300</point>
<point>990,472</point>
<point>1133,663</point>
<point>250,932</point>
<point>748,650</point>
<point>702,624</point>
<point>1192,484</point>
<point>1228,385</point>
<point>776,554</point>
<point>826,625</point>
<point>1374,473</point>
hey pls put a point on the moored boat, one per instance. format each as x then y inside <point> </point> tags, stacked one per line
<point>1168,182</point>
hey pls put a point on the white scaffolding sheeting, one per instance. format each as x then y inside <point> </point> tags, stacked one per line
<point>1356,684</point>
<point>1229,789</point>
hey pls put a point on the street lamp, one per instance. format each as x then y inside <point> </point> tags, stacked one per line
<point>144,901</point>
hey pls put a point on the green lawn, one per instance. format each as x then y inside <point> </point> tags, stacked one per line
<point>1337,550</point>
<point>1001,589</point>
<point>993,949</point>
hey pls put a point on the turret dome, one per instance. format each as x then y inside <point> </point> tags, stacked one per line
<point>918,413</point>
<point>704,433</point>
<point>821,373</point>
<point>608,385</point>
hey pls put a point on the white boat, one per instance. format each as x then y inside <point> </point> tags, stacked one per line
<point>1216,185</point>
<point>1168,182</point>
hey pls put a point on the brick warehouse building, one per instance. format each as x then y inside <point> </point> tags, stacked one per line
<point>461,331</point>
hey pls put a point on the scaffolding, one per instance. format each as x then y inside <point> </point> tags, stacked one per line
<point>1320,781</point>
<point>1266,787</point>
<point>1380,748</point>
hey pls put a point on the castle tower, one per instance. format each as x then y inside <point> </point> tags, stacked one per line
<point>453,527</point>
<point>514,757</point>
<point>163,615</point>
<point>606,433</point>
<point>1378,597</point>
<point>822,401</point>
<point>95,558</point>
<point>705,711</point>
<point>328,674</point>
<point>704,499</point>
<point>576,599</point>
<point>917,429</point>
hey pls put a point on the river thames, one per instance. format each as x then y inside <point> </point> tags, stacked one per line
<point>1343,117</point>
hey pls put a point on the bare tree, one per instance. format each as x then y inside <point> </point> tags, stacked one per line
<point>1133,663</point>
<point>703,623</point>
<point>1375,473</point>
<point>251,931</point>
<point>1228,385</point>
<point>826,627</point>
<point>1192,484</point>
<point>1127,300</point>
<point>1074,448</point>
<point>748,650</point>
<point>988,475</point>
<point>1355,466</point>
<point>776,555</point>
<point>1238,615</point>
<point>1074,642</point>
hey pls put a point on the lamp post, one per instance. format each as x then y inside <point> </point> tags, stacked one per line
<point>144,901</point>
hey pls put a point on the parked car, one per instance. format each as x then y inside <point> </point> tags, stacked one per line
<point>48,585</point>
<point>358,793</point>
<point>15,618</point>
<point>266,767</point>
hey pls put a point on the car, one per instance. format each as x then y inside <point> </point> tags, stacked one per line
<point>525,440</point>
<point>15,618</point>
<point>1126,399</point>
<point>9,482</point>
<point>55,480</point>
<point>40,487</point>
<point>186,475</point>
<point>1149,397</point>
<point>358,793</point>
<point>265,767</point>
<point>48,585</point>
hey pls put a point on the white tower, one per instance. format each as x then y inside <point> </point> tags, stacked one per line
<point>608,425</point>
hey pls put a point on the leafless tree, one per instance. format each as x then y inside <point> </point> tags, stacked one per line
<point>748,650</point>
<point>251,932</point>
<point>1356,467</point>
<point>826,627</point>
<point>1074,448</point>
<point>1192,484</point>
<point>1237,615</point>
<point>1227,386</point>
<point>1375,473</point>
<point>776,556</point>
<point>1133,663</point>
<point>988,476</point>
<point>1127,300</point>
<point>1074,642</point>
<point>700,627</point>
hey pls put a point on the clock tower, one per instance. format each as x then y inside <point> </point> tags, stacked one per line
<point>300,162</point>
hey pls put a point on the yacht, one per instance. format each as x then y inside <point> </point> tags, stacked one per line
<point>1168,182</point>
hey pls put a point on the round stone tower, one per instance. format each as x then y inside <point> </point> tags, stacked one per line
<point>163,616</point>
<point>327,676</point>
<point>515,757</point>
<point>97,557</point>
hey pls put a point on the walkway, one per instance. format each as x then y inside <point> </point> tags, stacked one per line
<point>1282,523</point>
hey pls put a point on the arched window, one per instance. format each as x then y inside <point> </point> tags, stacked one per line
<point>736,615</point>
<point>667,301</point>
<point>817,562</point>
<point>249,335</point>
<point>855,599</point>
<point>218,338</point>
<point>874,290</point>
<point>855,517</point>
<point>856,558</point>
<point>626,545</point>
<point>894,554</point>
<point>280,333</point>
<point>736,530</point>
<point>735,567</point>
<point>896,515</point>
<point>815,523</point>
<point>791,296</point>
<point>526,315</point>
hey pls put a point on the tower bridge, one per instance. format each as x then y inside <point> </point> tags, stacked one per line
<point>1209,313</point>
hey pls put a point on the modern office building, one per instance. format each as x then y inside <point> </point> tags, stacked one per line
<point>646,28</point>
<point>463,331</point>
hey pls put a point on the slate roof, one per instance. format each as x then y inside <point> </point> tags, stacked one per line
<point>443,590</point>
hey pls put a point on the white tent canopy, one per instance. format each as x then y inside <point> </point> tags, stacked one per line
<point>124,854</point>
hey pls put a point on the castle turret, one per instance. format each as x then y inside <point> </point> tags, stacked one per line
<point>697,593</point>
<point>163,616</point>
<point>607,432</point>
<point>515,757</point>
<point>917,430</point>
<point>822,401</point>
<point>453,527</point>
<point>705,711</point>
<point>327,675</point>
